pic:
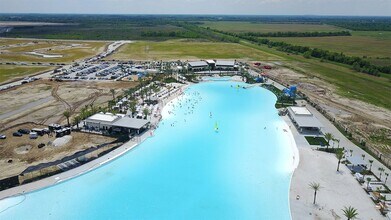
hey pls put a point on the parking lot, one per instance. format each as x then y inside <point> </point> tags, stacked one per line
<point>103,71</point>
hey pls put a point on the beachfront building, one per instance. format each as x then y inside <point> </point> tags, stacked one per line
<point>197,66</point>
<point>117,123</point>
<point>304,120</point>
<point>226,65</point>
<point>100,121</point>
<point>211,64</point>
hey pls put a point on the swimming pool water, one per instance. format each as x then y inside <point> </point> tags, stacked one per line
<point>187,170</point>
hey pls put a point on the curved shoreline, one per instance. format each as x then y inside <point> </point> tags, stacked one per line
<point>295,165</point>
<point>63,177</point>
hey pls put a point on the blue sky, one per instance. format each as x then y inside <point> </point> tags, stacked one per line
<point>258,7</point>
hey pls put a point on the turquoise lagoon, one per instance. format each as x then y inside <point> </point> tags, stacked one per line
<point>187,170</point>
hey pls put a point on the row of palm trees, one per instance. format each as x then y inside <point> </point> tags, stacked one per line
<point>340,155</point>
<point>86,112</point>
<point>330,137</point>
<point>349,212</point>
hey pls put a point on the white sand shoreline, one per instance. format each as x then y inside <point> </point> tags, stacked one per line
<point>92,165</point>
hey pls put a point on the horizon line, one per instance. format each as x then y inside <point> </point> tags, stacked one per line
<point>155,14</point>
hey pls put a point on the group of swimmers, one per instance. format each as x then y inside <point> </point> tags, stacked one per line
<point>188,102</point>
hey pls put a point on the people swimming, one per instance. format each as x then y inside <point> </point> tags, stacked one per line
<point>210,114</point>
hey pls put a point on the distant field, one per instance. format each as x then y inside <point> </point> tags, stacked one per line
<point>372,44</point>
<point>238,26</point>
<point>15,50</point>
<point>350,84</point>
<point>95,30</point>
<point>8,72</point>
<point>182,49</point>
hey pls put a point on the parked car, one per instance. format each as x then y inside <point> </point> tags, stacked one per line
<point>17,134</point>
<point>33,135</point>
<point>2,136</point>
<point>39,131</point>
<point>24,131</point>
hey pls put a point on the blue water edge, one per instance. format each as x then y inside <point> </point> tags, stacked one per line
<point>220,152</point>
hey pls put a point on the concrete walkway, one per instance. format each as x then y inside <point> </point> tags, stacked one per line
<point>344,142</point>
<point>68,174</point>
<point>348,145</point>
<point>338,189</point>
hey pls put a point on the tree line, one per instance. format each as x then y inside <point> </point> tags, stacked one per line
<point>357,63</point>
<point>364,25</point>
<point>170,34</point>
<point>206,33</point>
<point>298,34</point>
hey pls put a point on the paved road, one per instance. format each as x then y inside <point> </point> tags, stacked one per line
<point>344,142</point>
<point>110,49</point>
<point>26,107</point>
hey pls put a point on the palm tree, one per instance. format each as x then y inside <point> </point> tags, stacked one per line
<point>368,180</point>
<point>385,181</point>
<point>76,120</point>
<point>112,91</point>
<point>339,154</point>
<point>328,137</point>
<point>350,212</point>
<point>132,107</point>
<point>67,114</point>
<point>370,165</point>
<point>338,140</point>
<point>146,112</point>
<point>316,188</point>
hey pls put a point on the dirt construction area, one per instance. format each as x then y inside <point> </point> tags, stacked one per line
<point>40,103</point>
<point>18,153</point>
<point>43,101</point>
<point>366,122</point>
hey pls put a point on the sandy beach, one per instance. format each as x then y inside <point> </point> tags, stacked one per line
<point>338,189</point>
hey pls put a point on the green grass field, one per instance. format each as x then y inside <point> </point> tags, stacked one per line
<point>371,44</point>
<point>14,50</point>
<point>185,49</point>
<point>238,26</point>
<point>12,72</point>
<point>316,140</point>
<point>349,83</point>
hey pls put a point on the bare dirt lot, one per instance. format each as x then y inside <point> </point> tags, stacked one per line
<point>371,123</point>
<point>44,101</point>
<point>40,103</point>
<point>18,153</point>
